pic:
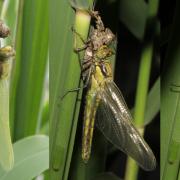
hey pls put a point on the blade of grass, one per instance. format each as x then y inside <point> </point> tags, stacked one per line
<point>16,66</point>
<point>31,59</point>
<point>44,126</point>
<point>65,75</point>
<point>170,105</point>
<point>142,88</point>
<point>153,102</point>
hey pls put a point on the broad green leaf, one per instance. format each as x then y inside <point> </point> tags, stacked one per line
<point>31,158</point>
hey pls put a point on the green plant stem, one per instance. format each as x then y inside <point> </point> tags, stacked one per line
<point>142,87</point>
<point>140,104</point>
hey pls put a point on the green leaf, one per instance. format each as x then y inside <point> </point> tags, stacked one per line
<point>6,150</point>
<point>153,102</point>
<point>65,76</point>
<point>31,158</point>
<point>170,105</point>
<point>134,15</point>
<point>44,126</point>
<point>30,67</point>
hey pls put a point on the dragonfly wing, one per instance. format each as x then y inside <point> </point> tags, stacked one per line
<point>115,122</point>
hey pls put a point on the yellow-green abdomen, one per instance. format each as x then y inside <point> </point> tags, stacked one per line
<point>88,126</point>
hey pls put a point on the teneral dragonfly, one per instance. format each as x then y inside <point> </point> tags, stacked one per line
<point>103,97</point>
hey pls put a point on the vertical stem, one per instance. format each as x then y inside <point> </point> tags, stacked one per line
<point>142,86</point>
<point>140,104</point>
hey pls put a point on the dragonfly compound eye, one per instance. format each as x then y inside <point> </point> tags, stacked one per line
<point>106,69</point>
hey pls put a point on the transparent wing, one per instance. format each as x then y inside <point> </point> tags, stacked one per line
<point>114,121</point>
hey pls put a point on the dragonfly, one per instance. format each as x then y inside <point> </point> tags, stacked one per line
<point>105,105</point>
<point>6,149</point>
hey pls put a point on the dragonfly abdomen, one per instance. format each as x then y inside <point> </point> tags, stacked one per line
<point>88,127</point>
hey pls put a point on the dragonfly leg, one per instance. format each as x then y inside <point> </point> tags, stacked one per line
<point>72,90</point>
<point>69,91</point>
<point>78,50</point>
<point>86,82</point>
<point>82,39</point>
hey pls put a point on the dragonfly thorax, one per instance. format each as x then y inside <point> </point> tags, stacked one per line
<point>103,52</point>
<point>102,72</point>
